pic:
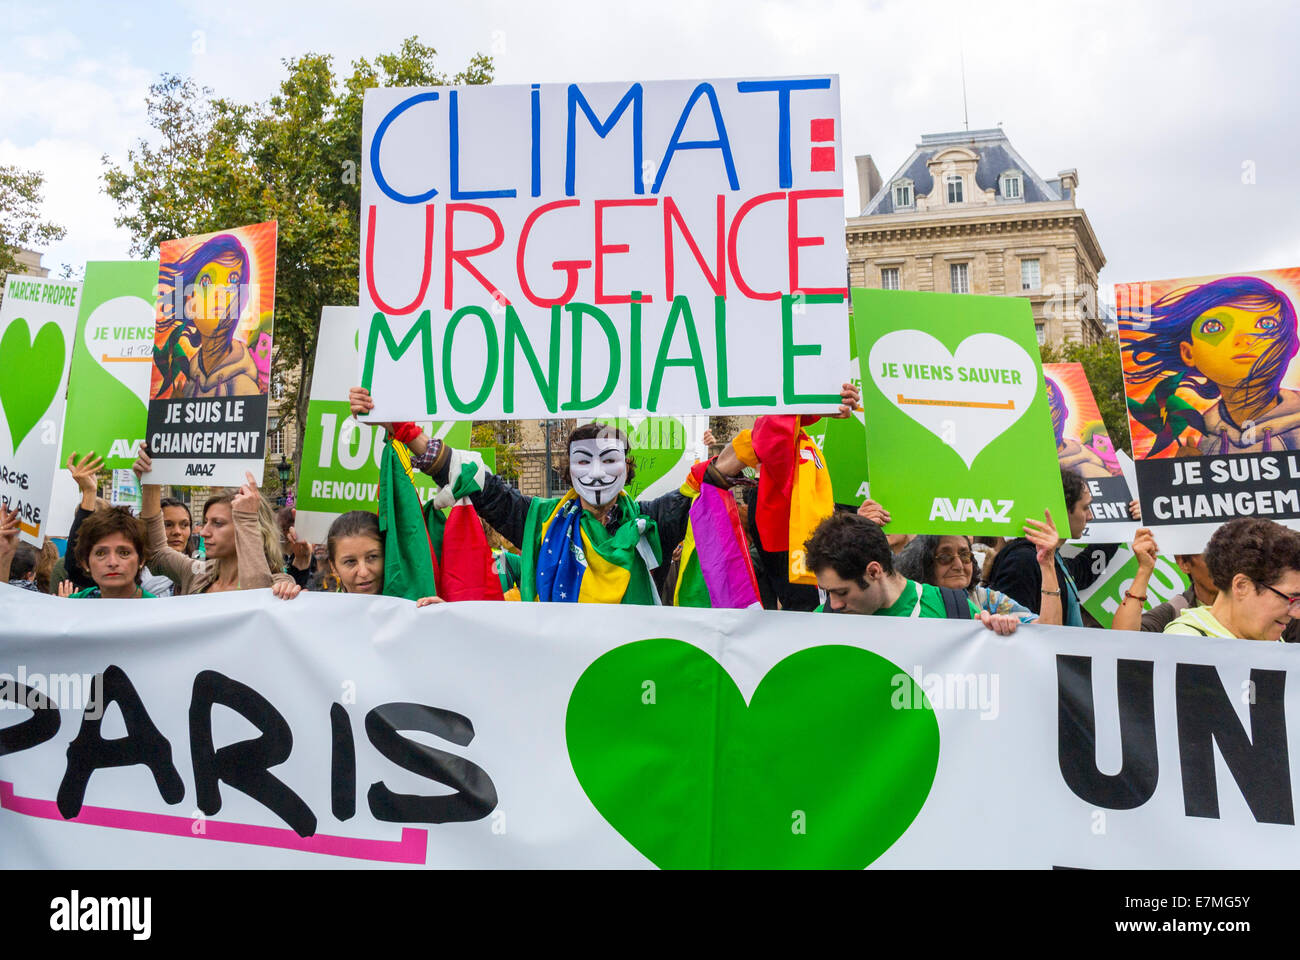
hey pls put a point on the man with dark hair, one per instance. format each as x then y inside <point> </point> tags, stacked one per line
<point>1255,564</point>
<point>1024,576</point>
<point>854,564</point>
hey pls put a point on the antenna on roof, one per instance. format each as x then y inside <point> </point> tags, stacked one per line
<point>964,109</point>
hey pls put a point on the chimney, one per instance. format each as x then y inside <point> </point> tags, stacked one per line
<point>1069,184</point>
<point>868,180</point>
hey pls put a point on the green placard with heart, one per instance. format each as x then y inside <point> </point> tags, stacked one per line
<point>957,420</point>
<point>825,767</point>
<point>112,358</point>
<point>37,321</point>
<point>663,450</point>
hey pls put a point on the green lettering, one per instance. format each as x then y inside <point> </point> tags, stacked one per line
<point>577,311</point>
<point>379,327</point>
<point>681,308</point>
<point>720,336</point>
<point>489,368</point>
<point>548,385</point>
<point>634,348</point>
<point>790,349</point>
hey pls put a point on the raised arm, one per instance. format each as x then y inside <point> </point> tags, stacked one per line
<point>160,558</point>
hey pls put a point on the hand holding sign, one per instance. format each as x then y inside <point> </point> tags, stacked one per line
<point>249,498</point>
<point>9,527</point>
<point>84,473</point>
<point>850,400</point>
<point>143,463</point>
<point>873,512</point>
<point>1044,536</point>
<point>1145,549</point>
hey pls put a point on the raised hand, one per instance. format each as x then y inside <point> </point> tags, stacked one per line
<point>874,512</point>
<point>10,527</point>
<point>143,463</point>
<point>1043,535</point>
<point>708,439</point>
<point>359,400</point>
<point>67,588</point>
<point>299,549</point>
<point>1145,549</point>
<point>83,472</point>
<point>248,499</point>
<point>850,400</point>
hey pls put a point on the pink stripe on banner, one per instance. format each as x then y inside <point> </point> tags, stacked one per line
<point>412,848</point>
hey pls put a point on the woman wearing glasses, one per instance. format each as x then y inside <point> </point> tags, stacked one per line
<point>949,561</point>
<point>1255,563</point>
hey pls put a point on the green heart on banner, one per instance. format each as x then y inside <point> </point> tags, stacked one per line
<point>30,371</point>
<point>822,769</point>
<point>658,445</point>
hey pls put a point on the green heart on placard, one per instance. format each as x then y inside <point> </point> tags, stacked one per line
<point>826,767</point>
<point>658,445</point>
<point>30,371</point>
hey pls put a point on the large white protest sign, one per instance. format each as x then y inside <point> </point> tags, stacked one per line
<point>344,731</point>
<point>38,320</point>
<point>603,248</point>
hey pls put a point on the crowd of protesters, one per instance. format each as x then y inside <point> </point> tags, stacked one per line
<point>597,543</point>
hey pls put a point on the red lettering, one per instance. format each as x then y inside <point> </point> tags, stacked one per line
<point>603,248</point>
<point>370,264</point>
<point>571,267</point>
<point>795,241</point>
<point>463,256</point>
<point>718,277</point>
<point>743,212</point>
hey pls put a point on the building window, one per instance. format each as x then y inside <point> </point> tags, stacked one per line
<point>274,443</point>
<point>508,431</point>
<point>1041,331</point>
<point>959,277</point>
<point>1030,275</point>
<point>903,194</point>
<point>1011,186</point>
<point>954,190</point>
<point>889,278</point>
<point>277,389</point>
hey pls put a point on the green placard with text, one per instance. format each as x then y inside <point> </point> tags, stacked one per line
<point>112,358</point>
<point>957,419</point>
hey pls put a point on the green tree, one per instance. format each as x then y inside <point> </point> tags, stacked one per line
<point>1101,362</point>
<point>295,158</point>
<point>489,433</point>
<point>21,225</point>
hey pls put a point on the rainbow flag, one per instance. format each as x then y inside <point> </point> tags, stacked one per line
<point>715,569</point>
<point>569,557</point>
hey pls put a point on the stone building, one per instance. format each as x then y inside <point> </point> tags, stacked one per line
<point>966,214</point>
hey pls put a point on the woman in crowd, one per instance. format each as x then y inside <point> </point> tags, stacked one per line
<point>110,548</point>
<point>949,561</point>
<point>84,473</point>
<point>1255,564</point>
<point>178,524</point>
<point>240,535</point>
<point>355,547</point>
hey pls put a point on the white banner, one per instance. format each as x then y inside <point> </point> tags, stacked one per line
<point>38,321</point>
<point>603,248</point>
<point>345,731</point>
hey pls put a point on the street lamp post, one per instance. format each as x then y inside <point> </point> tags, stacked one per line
<point>284,470</point>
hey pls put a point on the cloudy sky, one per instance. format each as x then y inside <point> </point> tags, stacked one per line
<point>1180,117</point>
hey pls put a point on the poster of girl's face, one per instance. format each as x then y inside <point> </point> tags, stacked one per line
<point>1209,364</point>
<point>1082,442</point>
<point>216,296</point>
